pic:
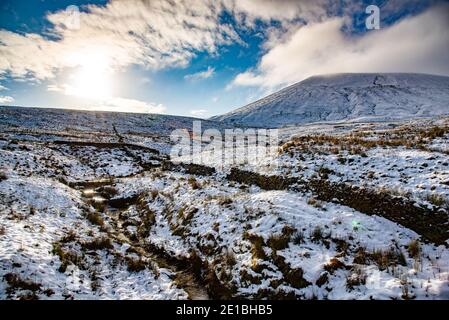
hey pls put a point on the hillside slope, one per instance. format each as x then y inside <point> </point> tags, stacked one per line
<point>99,121</point>
<point>337,97</point>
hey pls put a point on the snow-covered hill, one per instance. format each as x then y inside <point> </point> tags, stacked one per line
<point>372,97</point>
<point>95,121</point>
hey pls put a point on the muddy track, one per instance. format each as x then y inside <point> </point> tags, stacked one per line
<point>185,276</point>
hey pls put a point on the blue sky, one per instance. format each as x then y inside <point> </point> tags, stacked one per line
<point>202,57</point>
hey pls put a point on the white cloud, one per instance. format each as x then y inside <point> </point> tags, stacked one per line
<point>3,88</point>
<point>152,33</point>
<point>129,105</point>
<point>55,88</point>
<point>415,44</point>
<point>6,99</point>
<point>199,112</point>
<point>201,75</point>
<point>155,34</point>
<point>112,103</point>
<point>247,11</point>
<point>145,81</point>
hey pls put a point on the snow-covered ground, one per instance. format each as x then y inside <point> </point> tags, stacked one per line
<point>101,216</point>
<point>224,223</point>
<point>36,214</point>
<point>407,161</point>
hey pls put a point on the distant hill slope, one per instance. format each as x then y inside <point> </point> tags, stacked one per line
<point>376,97</point>
<point>100,121</point>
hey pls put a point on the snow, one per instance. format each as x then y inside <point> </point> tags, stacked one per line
<point>26,246</point>
<point>267,212</point>
<point>43,202</point>
<point>94,125</point>
<point>354,97</point>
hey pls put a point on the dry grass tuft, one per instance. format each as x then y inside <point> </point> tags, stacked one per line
<point>194,184</point>
<point>102,243</point>
<point>95,218</point>
<point>414,249</point>
<point>333,265</point>
<point>15,282</point>
<point>356,278</point>
<point>135,265</point>
<point>280,242</point>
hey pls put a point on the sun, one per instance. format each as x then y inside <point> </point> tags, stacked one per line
<point>92,79</point>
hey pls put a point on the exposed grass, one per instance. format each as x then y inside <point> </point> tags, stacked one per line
<point>342,245</point>
<point>322,280</point>
<point>248,279</point>
<point>357,144</point>
<point>135,265</point>
<point>147,221</point>
<point>299,238</point>
<point>405,287</point>
<point>315,202</point>
<point>95,282</point>
<point>95,218</point>
<point>414,249</point>
<point>438,200</point>
<point>193,183</point>
<point>102,243</point>
<point>387,258</point>
<point>333,265</point>
<point>108,191</point>
<point>69,237</point>
<point>67,257</point>
<point>3,176</point>
<point>186,215</point>
<point>356,278</point>
<point>434,132</point>
<point>154,194</point>
<point>292,276</point>
<point>229,258</point>
<point>225,201</point>
<point>382,258</point>
<point>317,234</point>
<point>99,206</point>
<point>280,241</point>
<point>272,182</point>
<point>15,282</point>
<point>258,243</point>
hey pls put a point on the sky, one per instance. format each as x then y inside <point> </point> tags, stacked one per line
<point>203,57</point>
